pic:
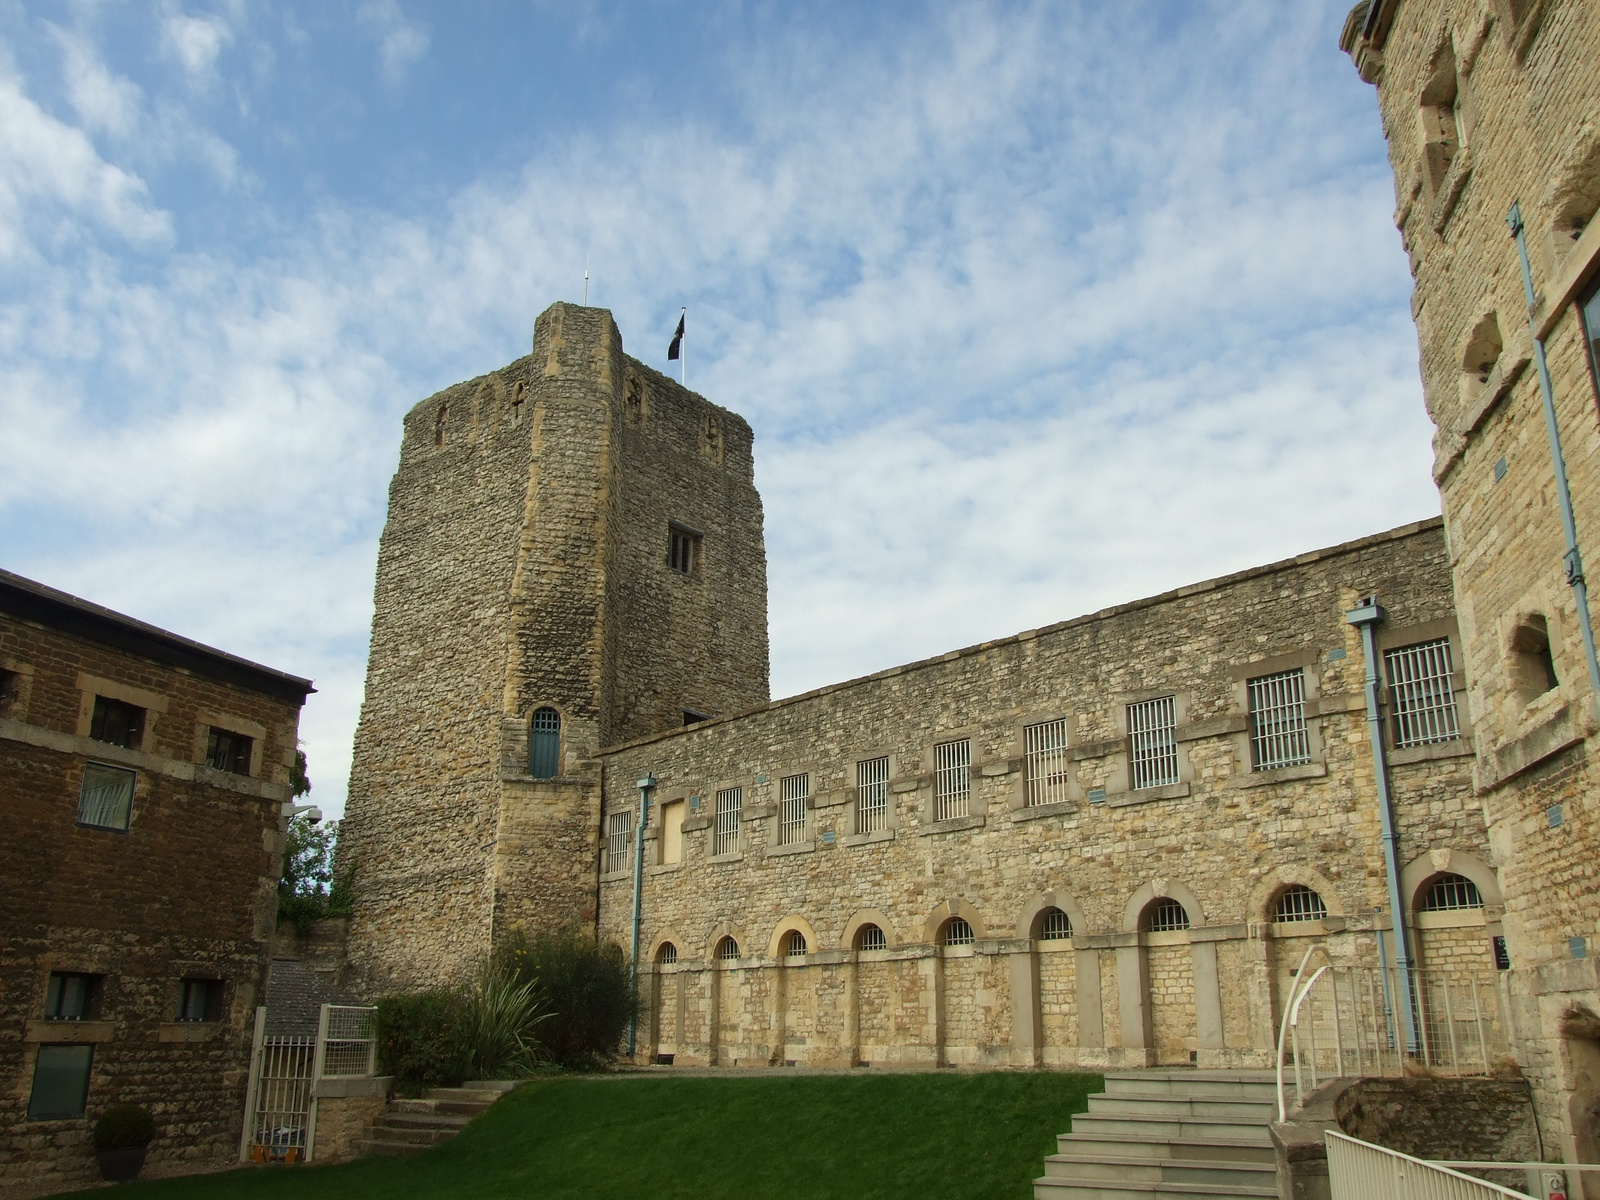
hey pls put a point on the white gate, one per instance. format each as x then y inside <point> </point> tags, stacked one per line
<point>280,1118</point>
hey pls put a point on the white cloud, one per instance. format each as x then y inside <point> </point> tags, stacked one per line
<point>195,41</point>
<point>1017,342</point>
<point>401,42</point>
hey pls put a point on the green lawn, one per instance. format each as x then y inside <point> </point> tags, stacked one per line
<point>934,1136</point>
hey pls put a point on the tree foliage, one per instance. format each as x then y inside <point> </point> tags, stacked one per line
<point>313,885</point>
<point>585,983</point>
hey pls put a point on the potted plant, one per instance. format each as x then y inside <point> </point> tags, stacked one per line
<point>121,1136</point>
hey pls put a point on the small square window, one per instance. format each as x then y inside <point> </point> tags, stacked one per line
<point>106,798</point>
<point>118,723</point>
<point>71,996</point>
<point>60,1083</point>
<point>228,751</point>
<point>683,550</point>
<point>200,1000</point>
<point>10,692</point>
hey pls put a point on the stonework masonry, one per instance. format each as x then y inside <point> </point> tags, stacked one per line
<point>1485,104</point>
<point>182,886</point>
<point>1225,840</point>
<point>527,565</point>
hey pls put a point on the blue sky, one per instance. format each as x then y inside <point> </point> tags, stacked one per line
<point>1034,307</point>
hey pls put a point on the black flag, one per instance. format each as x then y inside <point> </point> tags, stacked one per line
<point>677,340</point>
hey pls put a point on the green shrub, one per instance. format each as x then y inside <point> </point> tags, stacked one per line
<point>123,1127</point>
<point>500,1020</point>
<point>421,1037</point>
<point>586,988</point>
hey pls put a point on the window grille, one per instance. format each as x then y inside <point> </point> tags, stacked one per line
<point>1420,693</point>
<point>870,937</point>
<point>619,842</point>
<point>228,751</point>
<point>1153,742</point>
<point>872,794</point>
<point>118,723</point>
<point>727,949</point>
<point>1044,756</point>
<point>69,996</point>
<point>952,779</point>
<point>667,954</point>
<point>1054,925</point>
<point>544,744</point>
<point>1299,903</point>
<point>105,801</point>
<point>957,932</point>
<point>1166,915</point>
<point>1452,893</point>
<point>1502,959</point>
<point>793,791</point>
<point>199,1000</point>
<point>794,945</point>
<point>1278,736</point>
<point>729,803</point>
<point>681,550</point>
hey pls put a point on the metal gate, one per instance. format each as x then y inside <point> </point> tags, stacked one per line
<point>280,1119</point>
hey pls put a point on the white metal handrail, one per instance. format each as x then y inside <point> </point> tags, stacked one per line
<point>1359,1170</point>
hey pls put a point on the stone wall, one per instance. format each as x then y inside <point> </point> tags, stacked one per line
<point>1483,105</point>
<point>187,891</point>
<point>1225,841</point>
<point>524,565</point>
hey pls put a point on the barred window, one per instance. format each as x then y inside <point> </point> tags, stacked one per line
<point>1299,903</point>
<point>228,751</point>
<point>683,550</point>
<point>872,794</point>
<point>619,841</point>
<point>1451,893</point>
<point>1054,925</point>
<point>1166,915</point>
<point>727,949</point>
<point>794,944</point>
<point>667,954</point>
<point>870,937</point>
<point>730,801</point>
<point>1502,959</point>
<point>544,744</point>
<point>1044,757</point>
<point>1419,691</point>
<point>1153,742</point>
<point>952,779</point>
<point>957,932</point>
<point>793,791</point>
<point>1278,736</point>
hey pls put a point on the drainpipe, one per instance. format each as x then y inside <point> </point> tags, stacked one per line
<point>645,785</point>
<point>1573,560</point>
<point>1364,616</point>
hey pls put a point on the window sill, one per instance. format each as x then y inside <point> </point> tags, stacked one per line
<point>1455,182</point>
<point>1035,812</point>
<point>1293,929</point>
<point>664,868</point>
<point>793,848</point>
<point>1455,748</point>
<point>187,1031</point>
<point>1457,918</point>
<point>953,825</point>
<point>616,876</point>
<point>867,839</point>
<point>62,1032</point>
<point>736,856</point>
<point>1313,770</point>
<point>1170,791</point>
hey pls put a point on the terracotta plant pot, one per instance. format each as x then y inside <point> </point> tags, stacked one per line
<point>119,1166</point>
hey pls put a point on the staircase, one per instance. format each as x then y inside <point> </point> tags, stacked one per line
<point>1169,1135</point>
<point>412,1126</point>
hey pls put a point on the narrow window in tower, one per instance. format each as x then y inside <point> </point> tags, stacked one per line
<point>440,421</point>
<point>683,550</point>
<point>1589,309</point>
<point>544,744</point>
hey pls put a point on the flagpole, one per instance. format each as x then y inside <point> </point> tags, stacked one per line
<point>683,351</point>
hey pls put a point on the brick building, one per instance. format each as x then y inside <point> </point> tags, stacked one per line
<point>1097,843</point>
<point>1485,106</point>
<point>142,777</point>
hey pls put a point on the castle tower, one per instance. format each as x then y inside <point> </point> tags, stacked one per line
<point>1486,103</point>
<point>573,558</point>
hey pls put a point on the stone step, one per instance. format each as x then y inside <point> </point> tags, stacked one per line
<point>463,1095</point>
<point>417,1135</point>
<point>1158,1128</point>
<point>1049,1188</point>
<point>387,1148</point>
<point>1162,1170</point>
<point>1173,1105</point>
<point>499,1086</point>
<point>1078,1144</point>
<point>465,1108</point>
<point>1197,1084</point>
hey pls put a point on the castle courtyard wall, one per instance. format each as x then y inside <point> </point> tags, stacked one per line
<point>1225,841</point>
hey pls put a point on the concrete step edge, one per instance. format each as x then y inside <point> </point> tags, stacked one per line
<point>1154,1187</point>
<point>1123,1160</point>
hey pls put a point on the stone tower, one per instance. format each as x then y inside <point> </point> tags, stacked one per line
<point>1486,103</point>
<point>573,558</point>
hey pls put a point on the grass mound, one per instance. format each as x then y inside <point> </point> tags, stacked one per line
<point>934,1136</point>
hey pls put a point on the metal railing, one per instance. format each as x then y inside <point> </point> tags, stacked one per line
<point>1359,1170</point>
<point>1343,1022</point>
<point>347,1042</point>
<point>280,1118</point>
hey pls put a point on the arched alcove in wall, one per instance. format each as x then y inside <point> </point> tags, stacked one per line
<point>776,947</point>
<point>953,908</point>
<point>1028,914</point>
<point>1155,890</point>
<point>861,918</point>
<point>1420,872</point>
